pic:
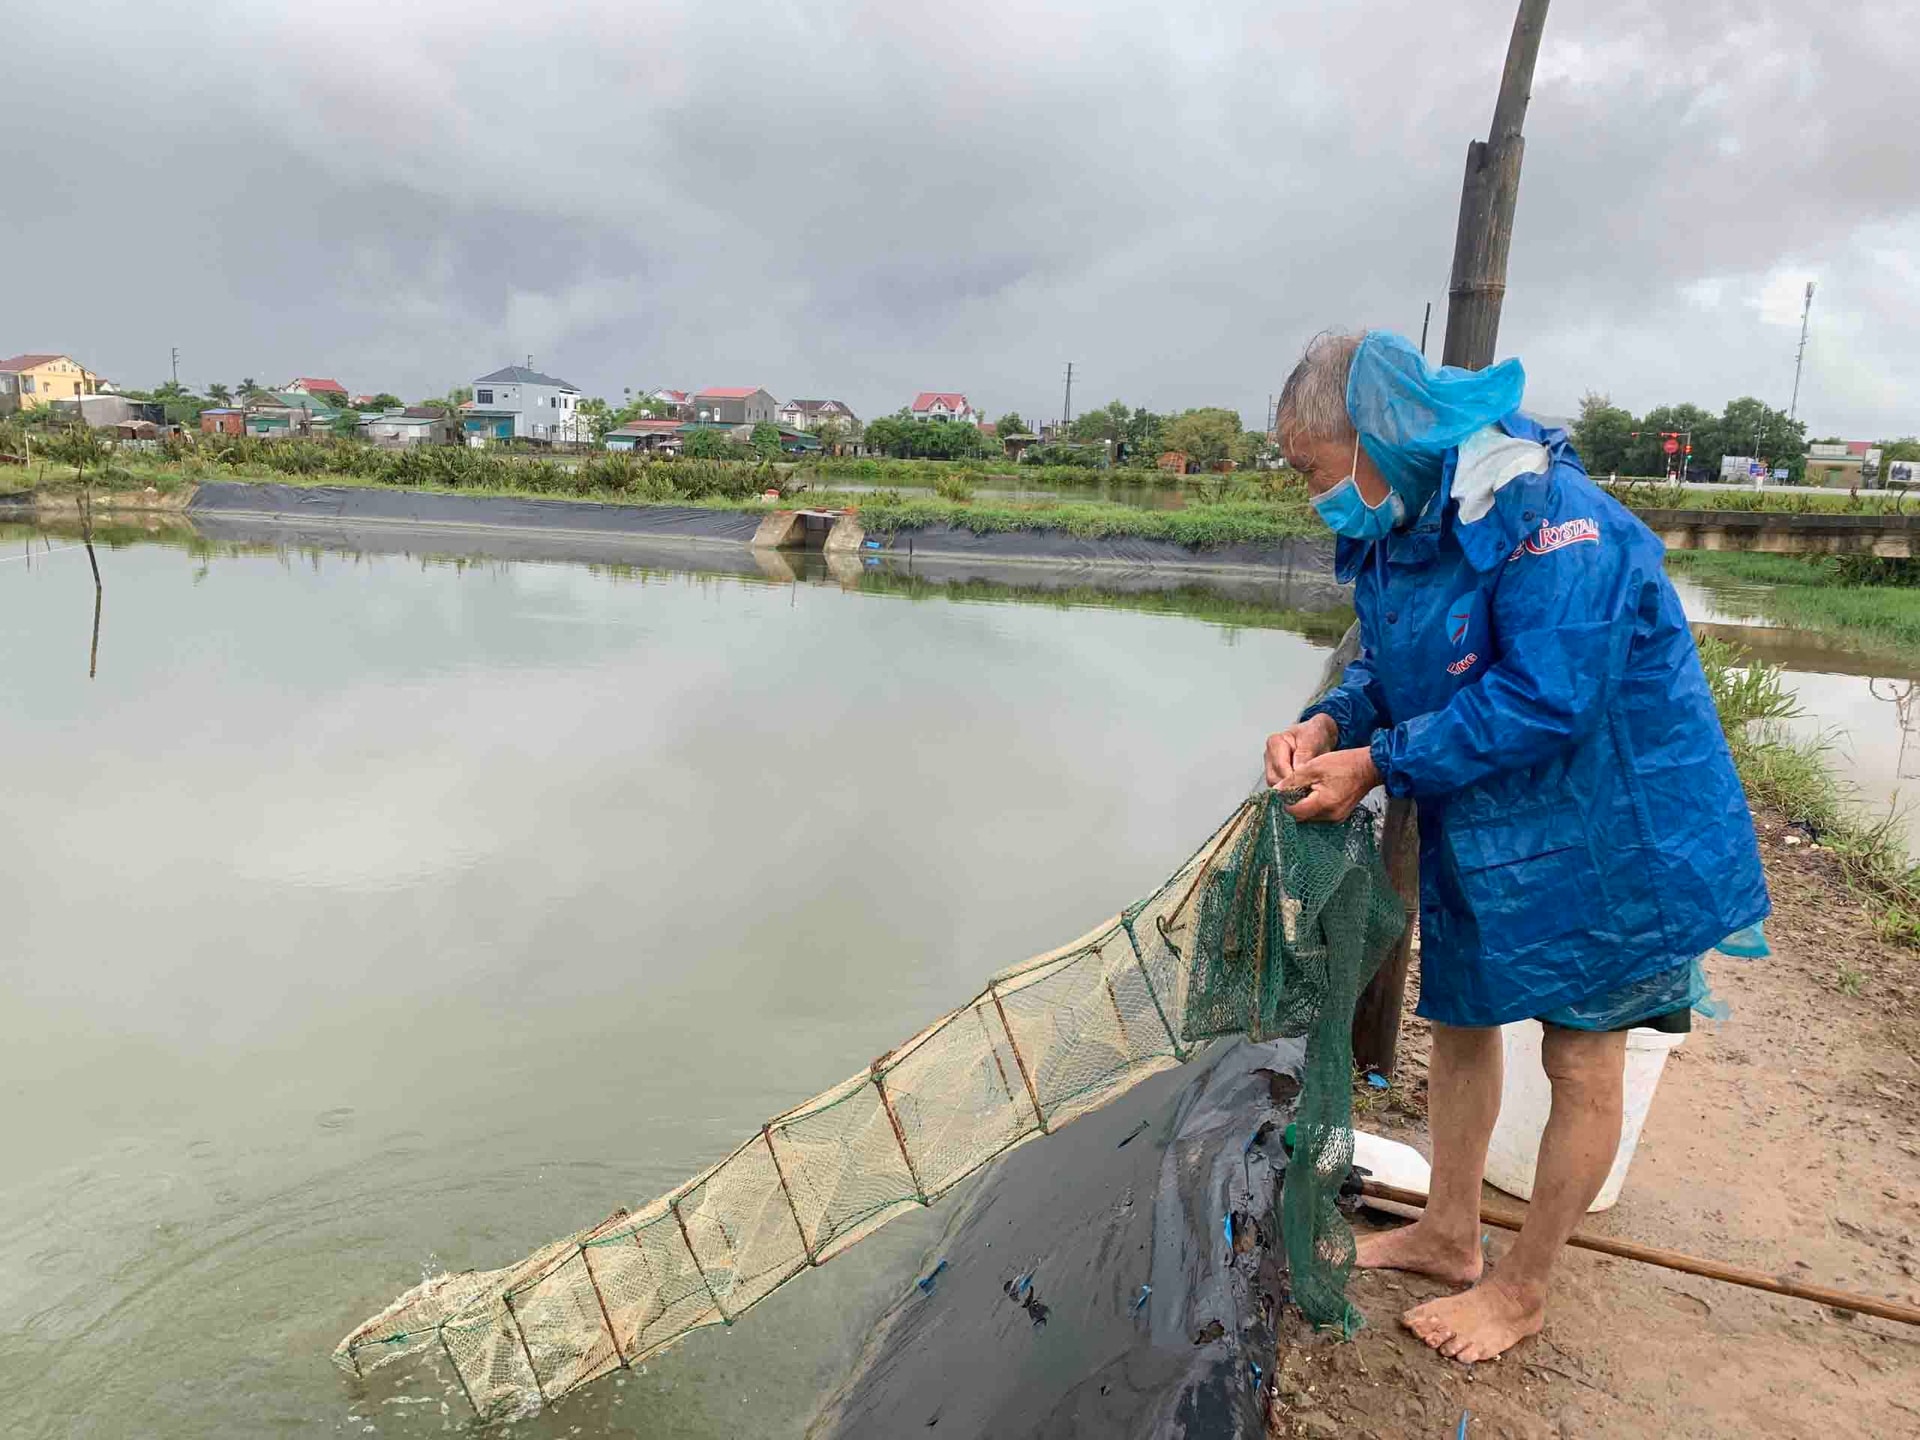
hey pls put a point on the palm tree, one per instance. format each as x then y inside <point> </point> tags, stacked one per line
<point>219,394</point>
<point>249,388</point>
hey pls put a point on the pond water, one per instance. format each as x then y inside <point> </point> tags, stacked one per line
<point>371,915</point>
<point>1863,703</point>
<point>374,914</point>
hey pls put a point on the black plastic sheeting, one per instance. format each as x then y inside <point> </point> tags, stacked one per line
<point>1055,550</point>
<point>1058,547</point>
<point>1085,1222</point>
<point>504,512</point>
<point>552,547</point>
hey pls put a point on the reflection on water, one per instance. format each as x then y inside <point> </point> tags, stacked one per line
<point>371,914</point>
<point>1859,703</point>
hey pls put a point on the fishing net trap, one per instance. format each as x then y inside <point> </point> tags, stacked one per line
<point>1271,928</point>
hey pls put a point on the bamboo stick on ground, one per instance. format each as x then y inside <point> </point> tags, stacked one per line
<point>1675,1260</point>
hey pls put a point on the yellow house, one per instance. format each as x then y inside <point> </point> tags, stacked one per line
<point>30,381</point>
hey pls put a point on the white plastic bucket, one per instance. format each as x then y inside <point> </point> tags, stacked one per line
<point>1526,1098</point>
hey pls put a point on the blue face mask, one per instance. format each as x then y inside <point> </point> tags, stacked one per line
<point>1346,512</point>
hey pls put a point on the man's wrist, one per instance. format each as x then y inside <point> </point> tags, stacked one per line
<point>1380,749</point>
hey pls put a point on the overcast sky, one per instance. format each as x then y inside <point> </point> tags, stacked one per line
<point>866,198</point>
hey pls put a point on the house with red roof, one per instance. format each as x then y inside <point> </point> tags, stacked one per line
<point>319,387</point>
<point>943,405</point>
<point>30,381</point>
<point>735,405</point>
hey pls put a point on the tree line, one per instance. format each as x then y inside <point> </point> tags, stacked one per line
<point>1137,437</point>
<point>1612,441</point>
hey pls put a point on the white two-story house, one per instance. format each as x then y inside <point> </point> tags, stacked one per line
<point>805,414</point>
<point>521,404</point>
<point>944,405</point>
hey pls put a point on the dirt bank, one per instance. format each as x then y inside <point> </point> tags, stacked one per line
<point>1786,1140</point>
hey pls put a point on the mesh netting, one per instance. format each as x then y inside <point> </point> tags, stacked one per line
<point>1271,928</point>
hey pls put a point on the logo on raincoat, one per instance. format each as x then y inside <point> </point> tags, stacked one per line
<point>1558,537</point>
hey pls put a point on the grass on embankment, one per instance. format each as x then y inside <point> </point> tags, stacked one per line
<point>1225,523</point>
<point>1775,499</point>
<point>1792,776</point>
<point>1874,601</point>
<point>713,484</point>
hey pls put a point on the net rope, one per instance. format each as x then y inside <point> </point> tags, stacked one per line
<point>1271,928</point>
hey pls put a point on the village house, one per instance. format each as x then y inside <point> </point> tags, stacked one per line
<point>943,405</point>
<point>661,436</point>
<point>735,405</point>
<point>223,420</point>
<point>413,425</point>
<point>1845,464</point>
<point>29,381</point>
<point>106,412</point>
<point>518,403</point>
<point>285,414</point>
<point>678,402</point>
<point>805,414</point>
<point>329,392</point>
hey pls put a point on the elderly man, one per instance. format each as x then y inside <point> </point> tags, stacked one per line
<point>1527,677</point>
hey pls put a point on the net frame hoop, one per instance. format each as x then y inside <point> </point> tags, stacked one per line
<point>593,1280</point>
<point>780,1173</point>
<point>525,1349</point>
<point>1026,1077</point>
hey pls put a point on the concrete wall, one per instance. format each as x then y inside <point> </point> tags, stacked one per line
<point>1892,537</point>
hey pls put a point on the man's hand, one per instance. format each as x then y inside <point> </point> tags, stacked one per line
<point>1339,781</point>
<point>1296,745</point>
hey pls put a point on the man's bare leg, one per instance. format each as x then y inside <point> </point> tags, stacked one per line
<point>1463,1101</point>
<point>1576,1152</point>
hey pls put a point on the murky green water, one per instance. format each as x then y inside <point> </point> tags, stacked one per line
<point>367,915</point>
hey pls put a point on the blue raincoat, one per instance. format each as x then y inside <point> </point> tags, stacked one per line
<point>1529,679</point>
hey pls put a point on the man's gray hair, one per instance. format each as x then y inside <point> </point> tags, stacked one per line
<point>1313,402</point>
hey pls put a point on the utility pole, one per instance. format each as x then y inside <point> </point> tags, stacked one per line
<point>1487,197</point>
<point>176,364</point>
<point>1066,409</point>
<point>1474,295</point>
<point>1799,359</point>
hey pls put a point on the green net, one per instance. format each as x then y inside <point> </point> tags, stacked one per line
<point>1271,928</point>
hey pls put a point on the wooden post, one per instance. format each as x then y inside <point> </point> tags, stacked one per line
<point>1474,296</point>
<point>1487,197</point>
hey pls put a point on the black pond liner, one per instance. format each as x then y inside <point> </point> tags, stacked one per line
<point>1074,1228</point>
<point>292,506</point>
<point>483,512</point>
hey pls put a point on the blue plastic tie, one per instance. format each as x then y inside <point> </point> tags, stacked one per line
<point>1376,1080</point>
<point>926,1283</point>
<point>1145,1291</point>
<point>1461,1433</point>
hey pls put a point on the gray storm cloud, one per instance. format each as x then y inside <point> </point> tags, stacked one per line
<point>869,199</point>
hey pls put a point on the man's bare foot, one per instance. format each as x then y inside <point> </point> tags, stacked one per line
<point>1418,1248</point>
<point>1487,1320</point>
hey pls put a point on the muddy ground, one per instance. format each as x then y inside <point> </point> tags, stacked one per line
<point>1785,1139</point>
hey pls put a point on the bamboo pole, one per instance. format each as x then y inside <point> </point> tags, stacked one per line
<point>1676,1260</point>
